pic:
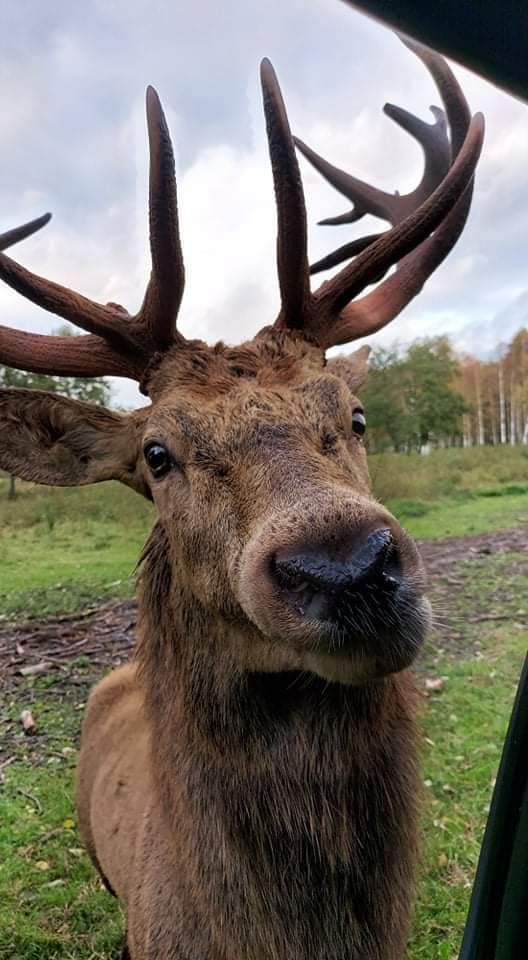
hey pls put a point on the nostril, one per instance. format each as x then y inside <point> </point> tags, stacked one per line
<point>375,561</point>
<point>292,572</point>
<point>377,558</point>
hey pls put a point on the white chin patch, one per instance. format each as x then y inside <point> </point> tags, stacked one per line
<point>351,671</point>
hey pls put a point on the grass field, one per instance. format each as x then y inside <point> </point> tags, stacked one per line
<point>63,550</point>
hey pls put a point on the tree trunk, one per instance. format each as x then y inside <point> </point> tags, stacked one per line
<point>513,425</point>
<point>11,490</point>
<point>502,405</point>
<point>480,418</point>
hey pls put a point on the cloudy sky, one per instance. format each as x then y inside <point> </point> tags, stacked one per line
<point>73,141</point>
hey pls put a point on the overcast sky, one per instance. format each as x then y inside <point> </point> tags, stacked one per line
<point>73,141</point>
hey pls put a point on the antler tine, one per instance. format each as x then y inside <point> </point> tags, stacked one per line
<point>167,281</point>
<point>378,308</point>
<point>437,208</point>
<point>31,351</point>
<point>453,99</point>
<point>11,237</point>
<point>345,252</point>
<point>434,141</point>
<point>364,317</point>
<point>83,356</point>
<point>118,343</point>
<point>87,314</point>
<point>366,199</point>
<point>437,147</point>
<point>334,295</point>
<point>292,260</point>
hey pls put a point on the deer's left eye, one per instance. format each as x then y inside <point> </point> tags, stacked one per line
<point>359,423</point>
<point>158,459</point>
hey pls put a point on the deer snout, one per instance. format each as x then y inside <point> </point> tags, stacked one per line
<point>344,593</point>
<point>319,584</point>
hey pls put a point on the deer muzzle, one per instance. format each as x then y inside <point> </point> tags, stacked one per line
<point>347,595</point>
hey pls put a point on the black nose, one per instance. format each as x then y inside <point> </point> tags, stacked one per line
<point>316,581</point>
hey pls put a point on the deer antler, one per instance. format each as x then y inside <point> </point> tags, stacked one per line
<point>10,237</point>
<point>438,152</point>
<point>426,223</point>
<point>292,234</point>
<point>117,343</point>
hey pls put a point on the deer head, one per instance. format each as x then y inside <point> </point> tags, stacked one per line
<point>253,455</point>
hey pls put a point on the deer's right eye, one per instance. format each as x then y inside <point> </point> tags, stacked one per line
<point>158,459</point>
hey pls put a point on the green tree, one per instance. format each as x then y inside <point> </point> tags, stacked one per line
<point>410,397</point>
<point>391,419</point>
<point>437,406</point>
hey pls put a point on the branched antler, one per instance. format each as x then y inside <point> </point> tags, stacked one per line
<point>425,223</point>
<point>438,153</point>
<point>117,343</point>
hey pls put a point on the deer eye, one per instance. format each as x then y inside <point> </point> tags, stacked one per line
<point>158,459</point>
<point>359,423</point>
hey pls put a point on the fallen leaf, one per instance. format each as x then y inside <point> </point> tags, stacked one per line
<point>443,860</point>
<point>434,683</point>
<point>457,876</point>
<point>68,823</point>
<point>34,668</point>
<point>42,865</point>
<point>28,722</point>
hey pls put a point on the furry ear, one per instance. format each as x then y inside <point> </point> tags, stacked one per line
<point>51,439</point>
<point>352,368</point>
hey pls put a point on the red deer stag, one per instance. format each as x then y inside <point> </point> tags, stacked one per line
<point>248,786</point>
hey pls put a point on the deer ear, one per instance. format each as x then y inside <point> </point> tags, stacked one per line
<point>50,439</point>
<point>352,368</point>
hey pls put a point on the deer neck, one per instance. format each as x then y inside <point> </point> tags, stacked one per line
<point>292,797</point>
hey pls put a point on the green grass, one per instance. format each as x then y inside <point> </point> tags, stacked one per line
<point>53,904</point>
<point>66,549</point>
<point>459,516</point>
<point>447,473</point>
<point>465,729</point>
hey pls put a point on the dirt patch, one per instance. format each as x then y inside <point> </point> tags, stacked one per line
<point>34,648</point>
<point>478,585</point>
<point>441,555</point>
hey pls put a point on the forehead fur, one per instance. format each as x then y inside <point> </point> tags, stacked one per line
<point>270,359</point>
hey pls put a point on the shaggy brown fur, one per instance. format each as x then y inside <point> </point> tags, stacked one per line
<point>247,787</point>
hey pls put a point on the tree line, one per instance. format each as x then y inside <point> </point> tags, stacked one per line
<point>428,395</point>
